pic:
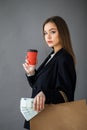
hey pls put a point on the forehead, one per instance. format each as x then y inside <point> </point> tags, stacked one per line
<point>50,26</point>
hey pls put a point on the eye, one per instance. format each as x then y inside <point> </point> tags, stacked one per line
<point>45,33</point>
<point>53,32</point>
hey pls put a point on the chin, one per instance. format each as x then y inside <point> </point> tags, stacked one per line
<point>50,45</point>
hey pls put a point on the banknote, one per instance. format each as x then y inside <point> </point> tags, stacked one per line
<point>26,108</point>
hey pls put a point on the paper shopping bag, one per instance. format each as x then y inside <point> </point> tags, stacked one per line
<point>64,116</point>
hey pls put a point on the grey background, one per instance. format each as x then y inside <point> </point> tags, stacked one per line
<point>21,28</point>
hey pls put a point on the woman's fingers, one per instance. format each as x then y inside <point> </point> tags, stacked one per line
<point>26,61</point>
<point>26,67</point>
<point>35,103</point>
<point>39,102</point>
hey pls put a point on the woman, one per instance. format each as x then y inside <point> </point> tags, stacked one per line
<point>54,81</point>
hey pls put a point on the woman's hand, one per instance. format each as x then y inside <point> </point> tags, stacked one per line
<point>39,101</point>
<point>29,69</point>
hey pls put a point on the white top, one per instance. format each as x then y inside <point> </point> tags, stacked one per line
<point>51,56</point>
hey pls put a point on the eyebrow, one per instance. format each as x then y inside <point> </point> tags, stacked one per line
<point>52,29</point>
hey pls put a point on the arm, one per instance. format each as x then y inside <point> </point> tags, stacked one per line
<point>30,73</point>
<point>31,78</point>
<point>64,85</point>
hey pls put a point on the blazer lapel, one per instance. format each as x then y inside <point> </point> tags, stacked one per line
<point>41,68</point>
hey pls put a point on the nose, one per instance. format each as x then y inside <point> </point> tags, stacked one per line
<point>48,36</point>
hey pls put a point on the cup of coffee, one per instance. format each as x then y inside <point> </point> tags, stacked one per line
<point>32,56</point>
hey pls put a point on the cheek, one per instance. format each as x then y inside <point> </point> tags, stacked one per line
<point>45,38</point>
<point>57,38</point>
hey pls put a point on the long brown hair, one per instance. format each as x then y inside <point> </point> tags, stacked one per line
<point>63,32</point>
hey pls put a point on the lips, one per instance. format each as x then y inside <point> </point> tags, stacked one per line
<point>49,42</point>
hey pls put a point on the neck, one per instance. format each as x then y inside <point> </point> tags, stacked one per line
<point>56,49</point>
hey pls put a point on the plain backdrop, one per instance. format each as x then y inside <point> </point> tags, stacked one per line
<point>21,29</point>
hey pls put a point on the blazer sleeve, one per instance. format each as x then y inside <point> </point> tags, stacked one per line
<point>65,82</point>
<point>53,96</point>
<point>31,79</point>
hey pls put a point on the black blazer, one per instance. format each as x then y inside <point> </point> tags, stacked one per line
<point>57,75</point>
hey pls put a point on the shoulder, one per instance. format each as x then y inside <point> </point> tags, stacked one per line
<point>63,57</point>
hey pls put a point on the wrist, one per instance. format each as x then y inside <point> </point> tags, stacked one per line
<point>31,73</point>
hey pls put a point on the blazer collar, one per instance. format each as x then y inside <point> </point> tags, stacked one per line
<point>42,67</point>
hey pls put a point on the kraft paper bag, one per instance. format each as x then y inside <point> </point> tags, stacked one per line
<point>64,116</point>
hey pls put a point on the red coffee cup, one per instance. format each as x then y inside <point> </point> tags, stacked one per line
<point>32,56</point>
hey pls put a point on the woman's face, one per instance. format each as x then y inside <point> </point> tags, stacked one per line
<point>51,35</point>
